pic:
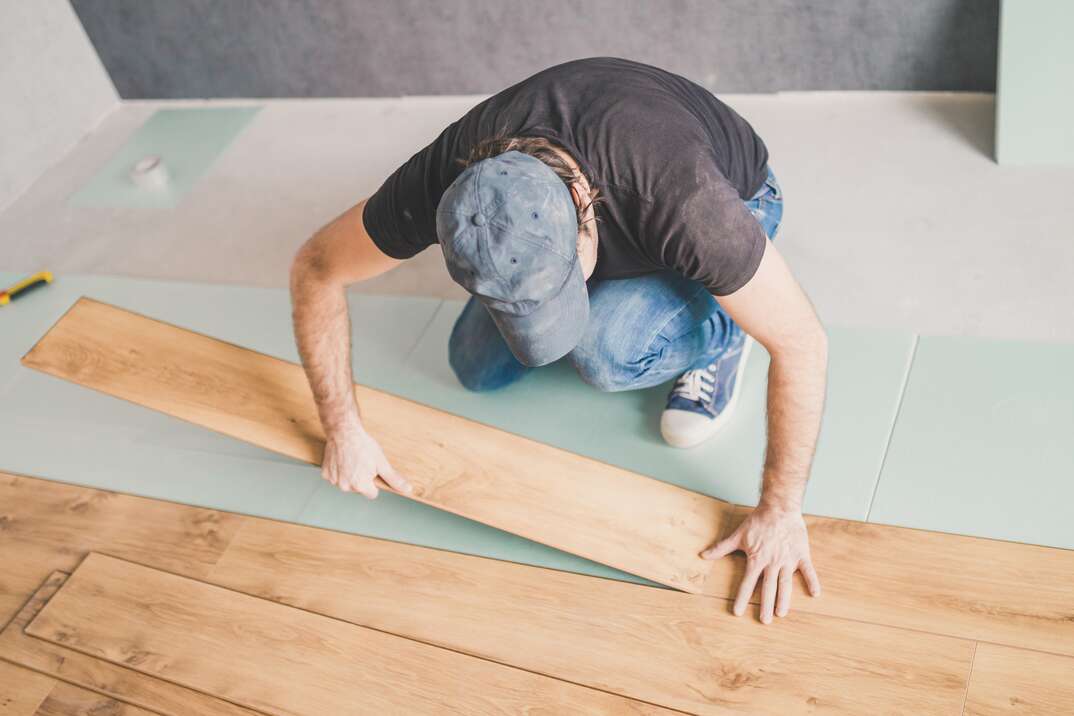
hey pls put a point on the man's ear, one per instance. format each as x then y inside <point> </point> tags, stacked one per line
<point>576,193</point>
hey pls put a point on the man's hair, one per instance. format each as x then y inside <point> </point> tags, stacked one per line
<point>539,148</point>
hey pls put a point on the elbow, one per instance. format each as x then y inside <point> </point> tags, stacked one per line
<point>815,343</point>
<point>308,265</point>
<point>820,342</point>
<point>807,345</point>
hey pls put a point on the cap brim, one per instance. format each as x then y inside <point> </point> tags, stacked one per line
<point>551,331</point>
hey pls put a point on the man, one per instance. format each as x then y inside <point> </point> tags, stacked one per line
<point>616,215</point>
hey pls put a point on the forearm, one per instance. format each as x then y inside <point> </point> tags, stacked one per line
<point>322,332</point>
<point>796,389</point>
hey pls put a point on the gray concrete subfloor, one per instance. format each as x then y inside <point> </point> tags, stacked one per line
<point>896,214</point>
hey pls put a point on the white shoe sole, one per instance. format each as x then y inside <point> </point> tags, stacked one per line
<point>684,429</point>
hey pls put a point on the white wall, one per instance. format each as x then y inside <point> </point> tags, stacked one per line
<point>53,89</point>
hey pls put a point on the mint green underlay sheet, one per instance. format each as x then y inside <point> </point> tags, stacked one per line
<point>54,429</point>
<point>984,444</point>
<point>187,140</point>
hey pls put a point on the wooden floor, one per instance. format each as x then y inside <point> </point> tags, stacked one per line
<point>978,627</point>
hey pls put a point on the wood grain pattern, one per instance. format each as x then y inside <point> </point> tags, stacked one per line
<point>22,690</point>
<point>651,529</point>
<point>281,660</point>
<point>1017,681</point>
<point>679,650</point>
<point>97,675</point>
<point>46,526</point>
<point>1016,594</point>
<point>68,700</point>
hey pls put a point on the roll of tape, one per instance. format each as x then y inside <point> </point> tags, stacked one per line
<point>150,173</point>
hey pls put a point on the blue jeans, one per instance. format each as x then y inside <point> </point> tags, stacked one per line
<point>685,327</point>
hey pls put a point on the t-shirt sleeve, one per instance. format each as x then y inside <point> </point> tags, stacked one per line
<point>706,233</point>
<point>401,216</point>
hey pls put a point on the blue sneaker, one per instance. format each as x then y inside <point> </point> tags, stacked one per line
<point>702,400</point>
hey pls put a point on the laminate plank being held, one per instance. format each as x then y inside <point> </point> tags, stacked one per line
<point>281,660</point>
<point>650,528</point>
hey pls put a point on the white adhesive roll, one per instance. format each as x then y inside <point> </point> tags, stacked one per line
<point>150,173</point>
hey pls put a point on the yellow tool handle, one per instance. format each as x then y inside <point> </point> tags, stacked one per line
<point>27,284</point>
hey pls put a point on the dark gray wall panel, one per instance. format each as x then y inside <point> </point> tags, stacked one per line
<point>325,48</point>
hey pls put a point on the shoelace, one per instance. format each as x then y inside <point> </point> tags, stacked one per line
<point>696,385</point>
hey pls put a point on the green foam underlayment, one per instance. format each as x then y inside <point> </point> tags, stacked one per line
<point>54,429</point>
<point>187,140</point>
<point>984,444</point>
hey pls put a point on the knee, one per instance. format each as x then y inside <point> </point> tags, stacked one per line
<point>480,378</point>
<point>480,370</point>
<point>600,369</point>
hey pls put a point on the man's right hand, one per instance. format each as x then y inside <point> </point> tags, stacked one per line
<point>353,460</point>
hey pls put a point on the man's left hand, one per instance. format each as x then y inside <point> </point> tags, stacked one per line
<point>776,546</point>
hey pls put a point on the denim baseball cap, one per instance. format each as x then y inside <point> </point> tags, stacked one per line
<point>509,232</point>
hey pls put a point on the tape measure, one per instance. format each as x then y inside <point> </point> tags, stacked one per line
<point>25,286</point>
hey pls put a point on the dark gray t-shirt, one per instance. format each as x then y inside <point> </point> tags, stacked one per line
<point>672,163</point>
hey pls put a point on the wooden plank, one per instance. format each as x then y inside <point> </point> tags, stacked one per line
<point>1018,681</point>
<point>282,660</point>
<point>68,700</point>
<point>967,587</point>
<point>22,690</point>
<point>46,526</point>
<point>97,675</point>
<point>651,529</point>
<point>680,650</point>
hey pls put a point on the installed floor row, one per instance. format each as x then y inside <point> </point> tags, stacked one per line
<point>580,643</point>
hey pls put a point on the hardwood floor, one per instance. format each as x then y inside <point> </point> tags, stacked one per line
<point>45,526</point>
<point>22,690</point>
<point>806,662</point>
<point>681,650</point>
<point>68,700</point>
<point>972,588</point>
<point>1017,681</point>
<point>280,660</point>
<point>652,529</point>
<point>100,676</point>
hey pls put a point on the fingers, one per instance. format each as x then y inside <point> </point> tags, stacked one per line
<point>786,588</point>
<point>368,490</point>
<point>768,594</point>
<point>745,589</point>
<point>811,579</point>
<point>722,548</point>
<point>349,483</point>
<point>354,483</point>
<point>396,481</point>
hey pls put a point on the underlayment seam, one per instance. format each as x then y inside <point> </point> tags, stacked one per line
<point>894,422</point>
<point>423,331</point>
